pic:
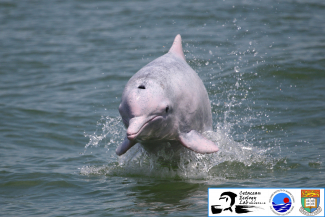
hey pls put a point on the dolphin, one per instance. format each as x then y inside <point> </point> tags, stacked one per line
<point>166,102</point>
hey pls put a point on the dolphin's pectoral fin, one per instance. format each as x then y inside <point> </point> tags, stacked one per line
<point>126,145</point>
<point>198,143</point>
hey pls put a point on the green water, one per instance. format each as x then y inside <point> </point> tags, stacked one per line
<point>63,67</point>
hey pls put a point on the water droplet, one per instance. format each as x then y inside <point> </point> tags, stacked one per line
<point>236,69</point>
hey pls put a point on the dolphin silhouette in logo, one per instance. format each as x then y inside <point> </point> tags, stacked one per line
<point>166,102</point>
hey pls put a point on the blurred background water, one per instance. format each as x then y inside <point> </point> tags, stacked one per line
<point>64,65</point>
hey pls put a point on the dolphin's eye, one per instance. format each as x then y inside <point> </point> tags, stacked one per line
<point>167,109</point>
<point>142,86</point>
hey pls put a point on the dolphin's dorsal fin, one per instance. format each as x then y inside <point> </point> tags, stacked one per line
<point>177,48</point>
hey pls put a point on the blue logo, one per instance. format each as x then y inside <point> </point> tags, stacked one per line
<point>282,203</point>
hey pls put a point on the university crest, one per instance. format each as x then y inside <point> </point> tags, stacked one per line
<point>310,200</point>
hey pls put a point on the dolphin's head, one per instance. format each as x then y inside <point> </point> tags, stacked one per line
<point>146,111</point>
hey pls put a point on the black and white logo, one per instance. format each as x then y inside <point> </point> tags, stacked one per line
<point>229,202</point>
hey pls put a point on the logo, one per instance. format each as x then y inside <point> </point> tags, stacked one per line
<point>310,200</point>
<point>229,202</point>
<point>282,202</point>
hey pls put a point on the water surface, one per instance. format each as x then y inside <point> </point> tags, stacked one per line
<point>63,67</point>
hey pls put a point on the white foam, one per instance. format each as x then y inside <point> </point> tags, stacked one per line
<point>189,165</point>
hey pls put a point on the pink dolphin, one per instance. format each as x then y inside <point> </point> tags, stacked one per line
<point>166,101</point>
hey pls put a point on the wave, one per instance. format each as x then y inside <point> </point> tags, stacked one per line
<point>281,207</point>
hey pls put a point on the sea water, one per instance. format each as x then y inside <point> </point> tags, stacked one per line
<point>64,65</point>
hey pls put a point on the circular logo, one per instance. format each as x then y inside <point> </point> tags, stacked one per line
<point>282,202</point>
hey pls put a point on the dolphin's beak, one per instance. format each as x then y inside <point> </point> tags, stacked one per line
<point>136,126</point>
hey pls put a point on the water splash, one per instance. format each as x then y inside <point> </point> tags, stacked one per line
<point>111,129</point>
<point>234,132</point>
<point>188,164</point>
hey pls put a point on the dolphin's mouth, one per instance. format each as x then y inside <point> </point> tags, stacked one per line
<point>139,128</point>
